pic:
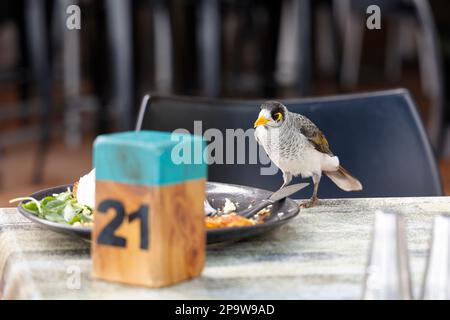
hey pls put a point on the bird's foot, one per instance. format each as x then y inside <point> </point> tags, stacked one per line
<point>309,204</point>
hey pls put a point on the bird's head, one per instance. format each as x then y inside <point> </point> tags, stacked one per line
<point>272,114</point>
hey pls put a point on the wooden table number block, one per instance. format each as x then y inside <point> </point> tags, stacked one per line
<point>149,222</point>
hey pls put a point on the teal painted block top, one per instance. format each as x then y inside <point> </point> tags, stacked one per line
<point>150,158</point>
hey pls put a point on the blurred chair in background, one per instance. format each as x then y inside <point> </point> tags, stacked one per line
<point>294,52</point>
<point>15,70</point>
<point>209,46</point>
<point>378,137</point>
<point>163,46</point>
<point>236,45</point>
<point>68,45</point>
<point>119,23</point>
<point>44,40</point>
<point>404,17</point>
<point>39,55</point>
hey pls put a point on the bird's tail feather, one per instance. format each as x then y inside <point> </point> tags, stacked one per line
<point>344,180</point>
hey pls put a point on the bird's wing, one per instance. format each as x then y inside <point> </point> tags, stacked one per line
<point>312,133</point>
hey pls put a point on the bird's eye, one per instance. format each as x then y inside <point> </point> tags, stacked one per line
<point>278,116</point>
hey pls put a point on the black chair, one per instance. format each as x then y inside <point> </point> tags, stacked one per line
<point>378,137</point>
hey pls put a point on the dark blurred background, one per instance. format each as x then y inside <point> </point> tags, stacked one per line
<point>59,88</point>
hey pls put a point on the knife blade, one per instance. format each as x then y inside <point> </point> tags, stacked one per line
<point>274,197</point>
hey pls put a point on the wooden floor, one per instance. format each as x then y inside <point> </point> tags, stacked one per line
<point>65,165</point>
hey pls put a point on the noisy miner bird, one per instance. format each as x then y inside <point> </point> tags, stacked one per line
<point>299,148</point>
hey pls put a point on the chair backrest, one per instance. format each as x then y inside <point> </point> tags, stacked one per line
<point>378,137</point>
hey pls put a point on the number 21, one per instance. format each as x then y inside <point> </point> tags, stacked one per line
<point>108,237</point>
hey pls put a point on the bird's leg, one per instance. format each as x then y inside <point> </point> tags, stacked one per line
<point>313,201</point>
<point>287,178</point>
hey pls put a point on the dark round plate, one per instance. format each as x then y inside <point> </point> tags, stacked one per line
<point>282,212</point>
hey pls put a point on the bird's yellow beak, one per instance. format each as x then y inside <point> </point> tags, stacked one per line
<point>261,121</point>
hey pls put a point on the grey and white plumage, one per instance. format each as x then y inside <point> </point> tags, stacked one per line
<point>299,148</point>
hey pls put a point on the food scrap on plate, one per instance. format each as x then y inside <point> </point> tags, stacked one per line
<point>227,217</point>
